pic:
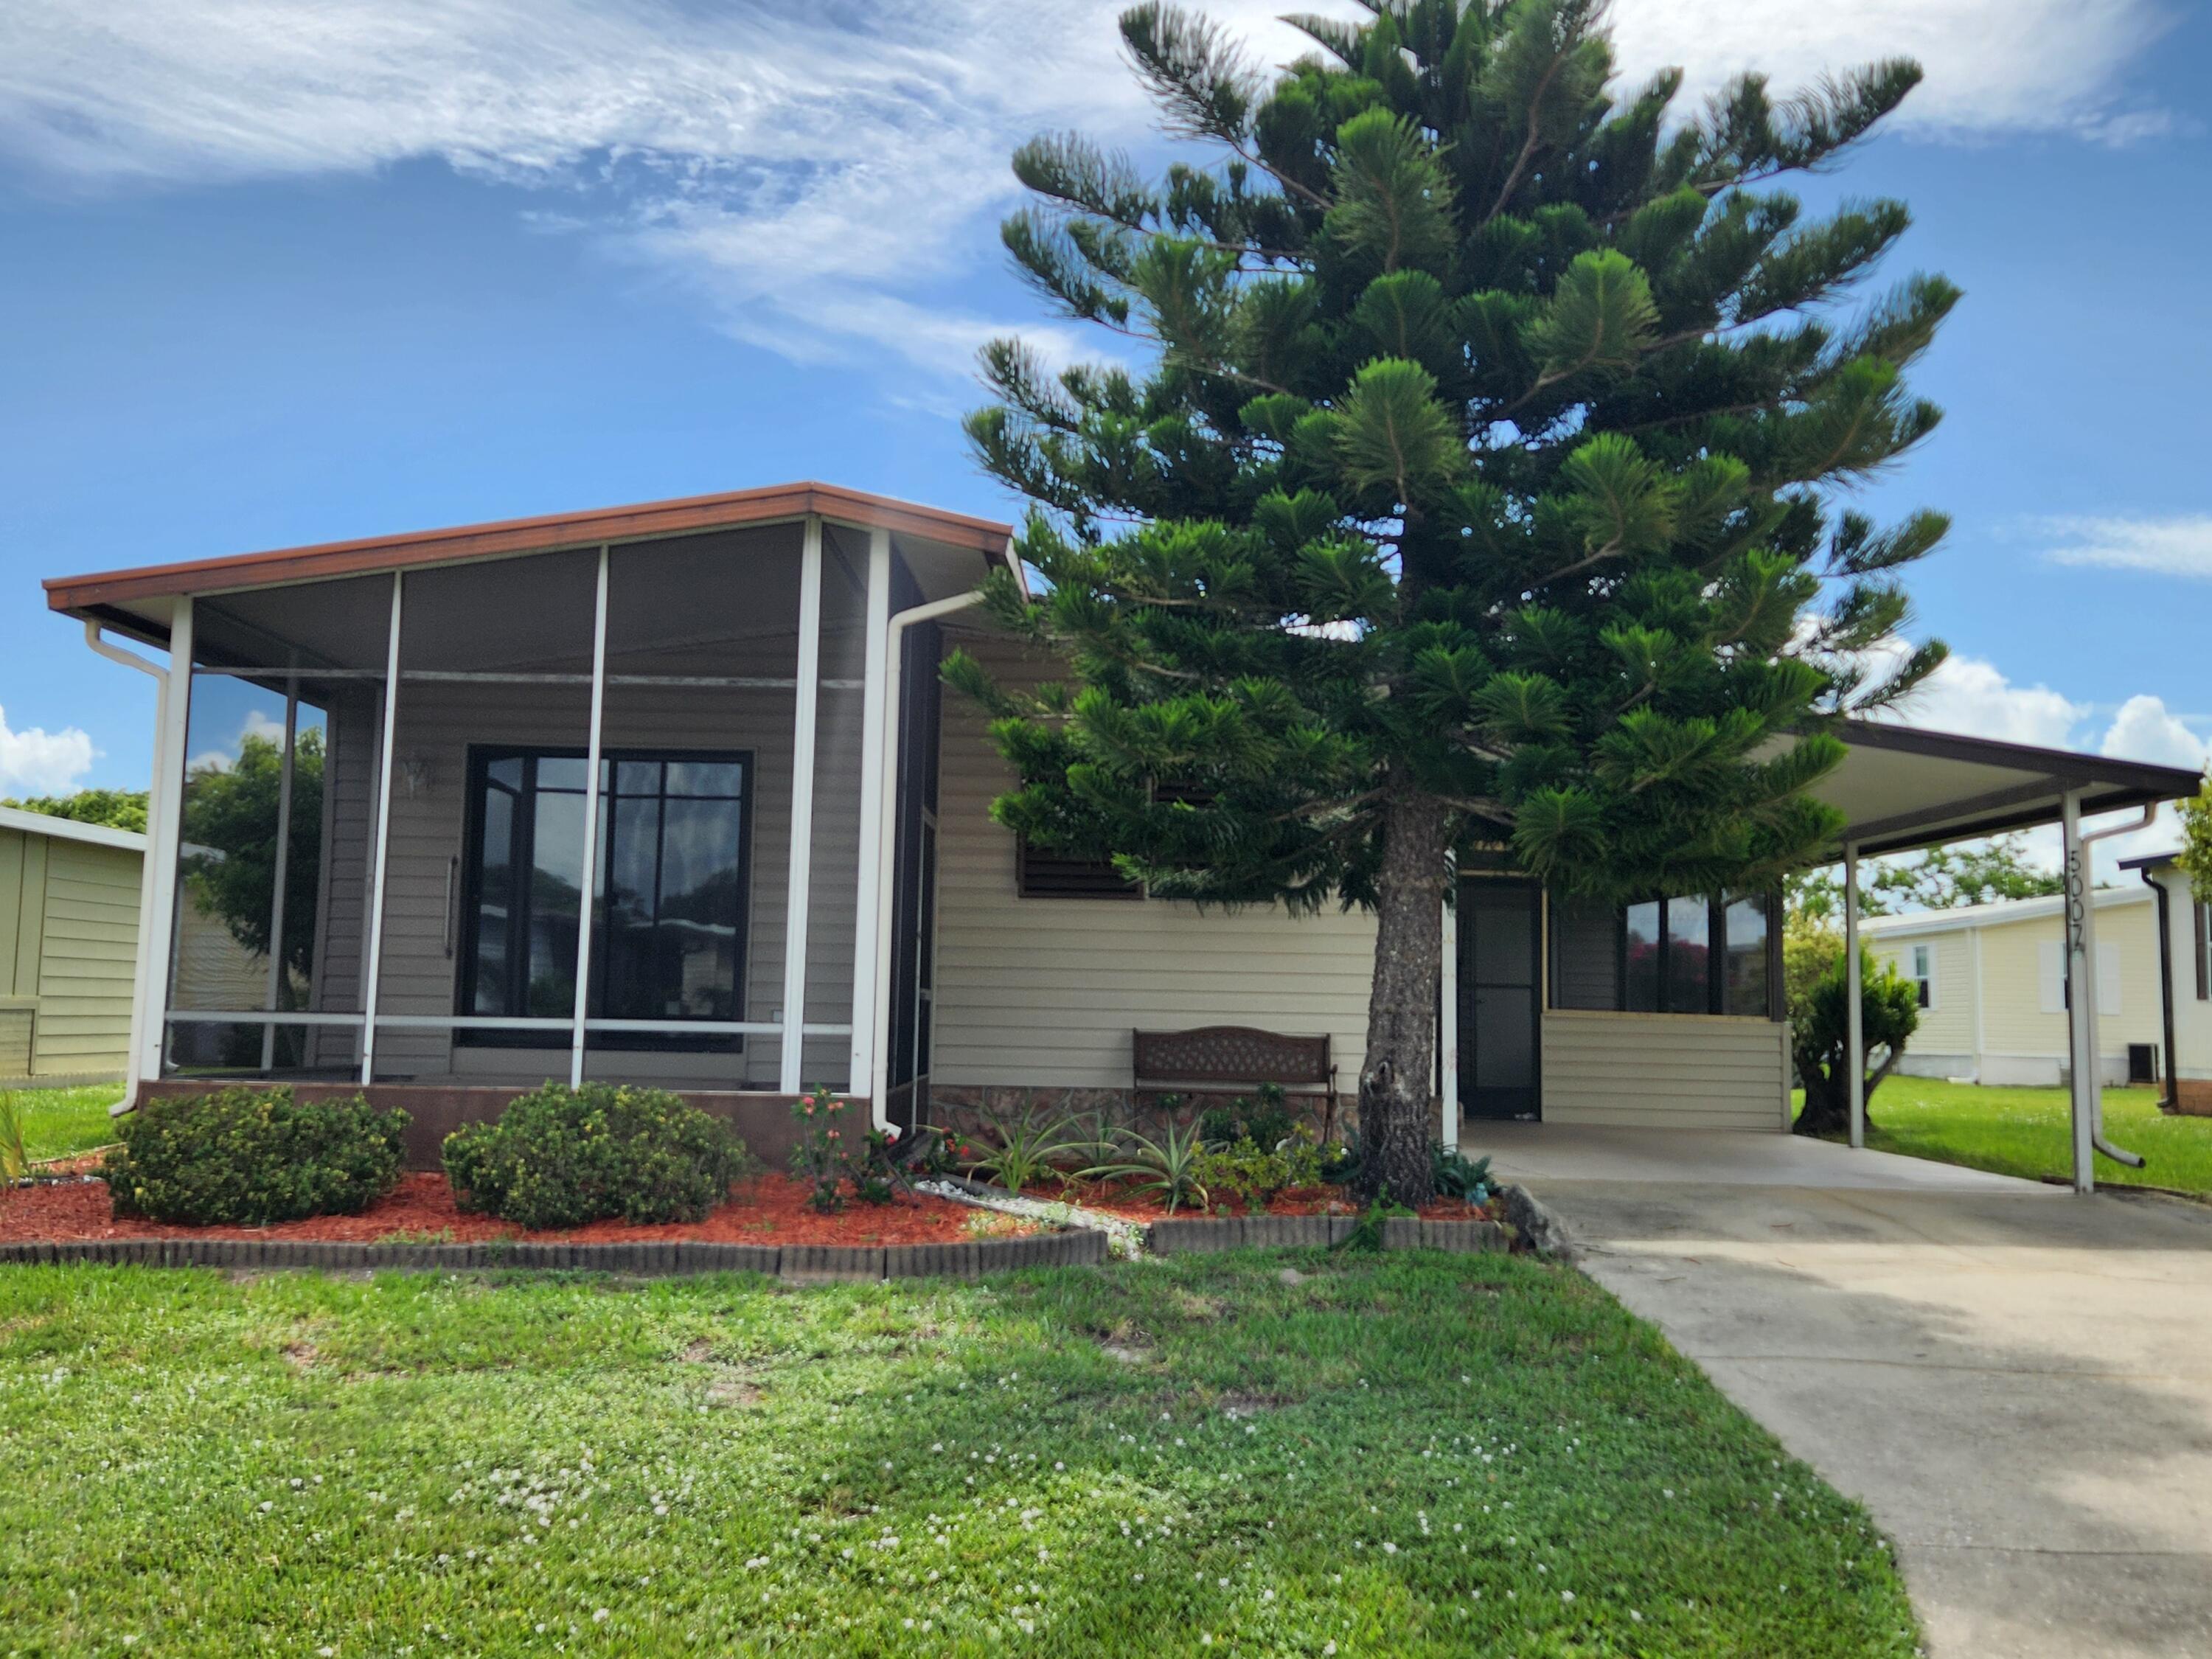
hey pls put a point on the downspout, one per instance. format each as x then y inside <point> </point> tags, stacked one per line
<point>2164,903</point>
<point>138,993</point>
<point>887,840</point>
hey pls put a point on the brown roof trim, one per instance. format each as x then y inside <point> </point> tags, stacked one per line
<point>79,594</point>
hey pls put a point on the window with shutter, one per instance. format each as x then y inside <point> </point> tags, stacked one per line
<point>1041,874</point>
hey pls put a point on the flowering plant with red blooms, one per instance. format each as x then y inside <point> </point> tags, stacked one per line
<point>817,1157</point>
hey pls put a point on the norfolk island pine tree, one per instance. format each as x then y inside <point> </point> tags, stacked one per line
<point>1478,485</point>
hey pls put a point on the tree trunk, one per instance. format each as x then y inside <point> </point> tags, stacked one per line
<point>1397,1101</point>
<point>1827,1109</point>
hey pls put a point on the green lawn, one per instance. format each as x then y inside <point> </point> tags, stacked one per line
<point>1410,1454</point>
<point>58,1121</point>
<point>2027,1131</point>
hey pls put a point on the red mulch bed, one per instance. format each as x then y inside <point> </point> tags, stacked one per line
<point>1133,1204</point>
<point>767,1209</point>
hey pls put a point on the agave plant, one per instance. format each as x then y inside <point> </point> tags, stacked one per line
<point>1030,1147</point>
<point>14,1158</point>
<point>1167,1166</point>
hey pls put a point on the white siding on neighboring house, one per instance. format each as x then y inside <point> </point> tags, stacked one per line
<point>2001,1013</point>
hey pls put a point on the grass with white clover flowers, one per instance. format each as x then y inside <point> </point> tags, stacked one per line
<point>1402,1453</point>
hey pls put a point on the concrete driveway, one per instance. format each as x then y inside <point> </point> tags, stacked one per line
<point>2017,1382</point>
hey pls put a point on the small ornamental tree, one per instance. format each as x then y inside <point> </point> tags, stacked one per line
<point>1476,486</point>
<point>1889,1013</point>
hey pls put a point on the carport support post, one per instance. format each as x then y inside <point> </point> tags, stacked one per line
<point>1854,996</point>
<point>2080,996</point>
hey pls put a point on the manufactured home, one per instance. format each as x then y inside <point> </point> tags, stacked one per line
<point>671,793</point>
<point>1992,986</point>
<point>68,936</point>
<point>2181,927</point>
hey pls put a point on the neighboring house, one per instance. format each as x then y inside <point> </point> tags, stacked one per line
<point>793,878</point>
<point>1993,985</point>
<point>69,935</point>
<point>2184,927</point>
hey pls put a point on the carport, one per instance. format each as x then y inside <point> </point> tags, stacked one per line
<point>1902,789</point>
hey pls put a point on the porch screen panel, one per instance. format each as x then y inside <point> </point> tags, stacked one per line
<point>834,861</point>
<point>243,942</point>
<point>484,887</point>
<point>701,677</point>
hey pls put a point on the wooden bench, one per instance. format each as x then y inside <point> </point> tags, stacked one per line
<point>1219,1059</point>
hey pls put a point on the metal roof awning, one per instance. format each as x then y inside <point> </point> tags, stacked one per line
<point>139,601</point>
<point>1900,789</point>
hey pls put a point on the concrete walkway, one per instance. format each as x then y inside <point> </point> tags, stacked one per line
<point>2017,1382</point>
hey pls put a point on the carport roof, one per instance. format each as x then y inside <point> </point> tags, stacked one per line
<point>1899,788</point>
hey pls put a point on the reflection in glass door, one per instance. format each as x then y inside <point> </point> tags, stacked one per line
<point>1500,969</point>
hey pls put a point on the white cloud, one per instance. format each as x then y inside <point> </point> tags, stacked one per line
<point>1975,698</point>
<point>38,761</point>
<point>826,174</point>
<point>2145,730</point>
<point>1992,65</point>
<point>2178,546</point>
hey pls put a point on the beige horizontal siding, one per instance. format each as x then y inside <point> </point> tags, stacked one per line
<point>90,951</point>
<point>1044,992</point>
<point>1674,1071</point>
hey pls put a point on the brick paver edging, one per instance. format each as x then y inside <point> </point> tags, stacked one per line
<point>1275,1232</point>
<point>1075,1248</point>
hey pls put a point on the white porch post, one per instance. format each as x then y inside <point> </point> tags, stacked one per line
<point>2080,995</point>
<point>1854,996</point>
<point>280,875</point>
<point>801,875</point>
<point>872,878</point>
<point>591,827</point>
<point>164,826</point>
<point>371,972</point>
<point>1448,1027</point>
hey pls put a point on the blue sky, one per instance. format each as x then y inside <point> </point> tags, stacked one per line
<point>280,273</point>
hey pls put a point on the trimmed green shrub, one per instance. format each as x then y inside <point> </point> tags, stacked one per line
<point>559,1157</point>
<point>1265,1119</point>
<point>252,1157</point>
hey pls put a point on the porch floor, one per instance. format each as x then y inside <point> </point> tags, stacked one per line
<point>1544,1154</point>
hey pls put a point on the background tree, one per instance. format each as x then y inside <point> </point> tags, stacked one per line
<point>230,813</point>
<point>1889,1013</point>
<point>117,808</point>
<point>1475,487</point>
<point>2195,855</point>
<point>1940,879</point>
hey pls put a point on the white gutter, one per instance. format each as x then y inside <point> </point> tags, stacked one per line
<point>887,813</point>
<point>140,1002</point>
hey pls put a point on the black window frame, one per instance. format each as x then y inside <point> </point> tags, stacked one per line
<point>481,757</point>
<point>1717,907</point>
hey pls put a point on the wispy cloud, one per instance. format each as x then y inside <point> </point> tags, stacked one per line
<point>2180,545</point>
<point>827,175</point>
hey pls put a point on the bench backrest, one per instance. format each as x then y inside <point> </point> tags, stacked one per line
<point>1231,1053</point>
